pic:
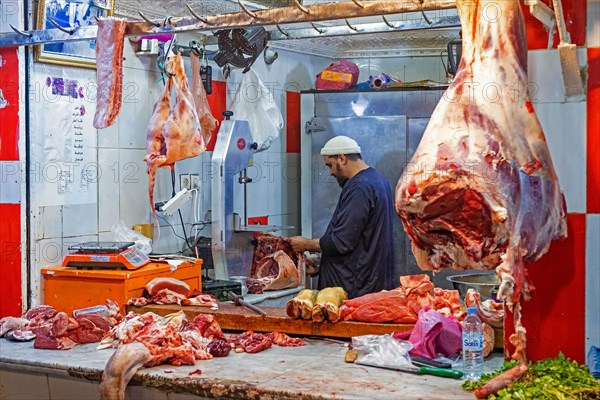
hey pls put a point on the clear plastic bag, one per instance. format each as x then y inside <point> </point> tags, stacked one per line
<point>121,233</point>
<point>254,103</point>
<point>382,350</point>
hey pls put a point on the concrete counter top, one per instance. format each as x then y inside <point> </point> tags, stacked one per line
<point>314,371</point>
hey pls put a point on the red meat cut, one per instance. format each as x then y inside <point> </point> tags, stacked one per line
<point>481,191</point>
<point>109,70</point>
<point>176,285</point>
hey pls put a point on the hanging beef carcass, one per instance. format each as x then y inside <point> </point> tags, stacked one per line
<point>481,191</point>
<point>173,134</point>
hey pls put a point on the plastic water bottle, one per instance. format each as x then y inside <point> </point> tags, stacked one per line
<point>472,339</point>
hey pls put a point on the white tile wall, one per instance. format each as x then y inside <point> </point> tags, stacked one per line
<point>592,282</point>
<point>108,188</point>
<point>565,128</point>
<point>80,220</point>
<point>51,219</point>
<point>545,75</point>
<point>593,24</point>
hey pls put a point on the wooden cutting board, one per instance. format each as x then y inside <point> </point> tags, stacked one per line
<point>232,317</point>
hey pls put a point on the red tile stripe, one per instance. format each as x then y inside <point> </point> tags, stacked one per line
<point>292,107</point>
<point>217,101</point>
<point>555,316</point>
<point>10,260</point>
<point>9,115</point>
<point>593,131</point>
<point>10,214</point>
<point>575,14</point>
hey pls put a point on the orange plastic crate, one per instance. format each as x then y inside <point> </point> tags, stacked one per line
<point>68,289</point>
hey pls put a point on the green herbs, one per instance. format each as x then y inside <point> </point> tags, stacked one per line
<point>556,378</point>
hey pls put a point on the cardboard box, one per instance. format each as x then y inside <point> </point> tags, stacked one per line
<point>68,289</point>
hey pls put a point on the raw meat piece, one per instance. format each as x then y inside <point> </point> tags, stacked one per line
<point>158,284</point>
<point>60,323</point>
<point>266,245</point>
<point>219,348</point>
<point>208,327</point>
<point>250,342</point>
<point>481,191</point>
<point>91,328</point>
<point>167,296</point>
<point>302,305</point>
<point>489,337</point>
<point>20,335</point>
<point>127,329</point>
<point>207,122</point>
<point>40,312</point>
<point>137,301</point>
<point>283,340</point>
<point>503,380</point>
<point>8,324</point>
<point>276,271</point>
<point>327,304</point>
<point>488,311</point>
<point>167,340</point>
<point>418,284</point>
<point>109,70</point>
<point>121,367</point>
<point>202,300</point>
<point>173,134</point>
<point>388,306</point>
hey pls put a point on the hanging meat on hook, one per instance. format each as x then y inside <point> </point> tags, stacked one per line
<point>208,123</point>
<point>174,134</point>
<point>481,191</point>
<point>109,70</point>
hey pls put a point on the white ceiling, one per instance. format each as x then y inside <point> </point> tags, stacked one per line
<point>422,42</point>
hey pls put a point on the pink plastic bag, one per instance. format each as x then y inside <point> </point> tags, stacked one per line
<point>435,334</point>
<point>338,76</point>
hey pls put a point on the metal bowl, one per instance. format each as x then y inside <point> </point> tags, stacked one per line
<point>482,282</point>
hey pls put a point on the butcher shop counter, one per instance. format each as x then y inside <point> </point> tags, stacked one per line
<point>314,371</point>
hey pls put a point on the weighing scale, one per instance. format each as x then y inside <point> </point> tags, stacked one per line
<point>115,255</point>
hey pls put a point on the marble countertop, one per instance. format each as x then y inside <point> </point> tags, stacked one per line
<point>314,371</point>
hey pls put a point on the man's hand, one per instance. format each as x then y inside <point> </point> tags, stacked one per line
<point>300,244</point>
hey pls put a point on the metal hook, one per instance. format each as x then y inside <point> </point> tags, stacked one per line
<point>361,5</point>
<point>167,20</point>
<point>315,28</point>
<point>148,20</point>
<point>60,28</point>
<point>425,16</point>
<point>199,18</point>
<point>301,7</point>
<point>284,33</point>
<point>388,22</point>
<point>350,26</point>
<point>250,13</point>
<point>21,32</point>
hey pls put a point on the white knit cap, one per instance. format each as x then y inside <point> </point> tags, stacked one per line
<point>340,145</point>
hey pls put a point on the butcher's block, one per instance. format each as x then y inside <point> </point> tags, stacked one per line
<point>68,289</point>
<point>237,318</point>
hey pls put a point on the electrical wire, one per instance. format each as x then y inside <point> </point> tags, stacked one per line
<point>187,243</point>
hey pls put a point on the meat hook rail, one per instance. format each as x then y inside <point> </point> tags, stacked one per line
<point>274,17</point>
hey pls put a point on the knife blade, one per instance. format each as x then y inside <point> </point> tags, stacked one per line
<point>443,372</point>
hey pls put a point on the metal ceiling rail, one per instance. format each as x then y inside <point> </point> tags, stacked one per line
<point>246,18</point>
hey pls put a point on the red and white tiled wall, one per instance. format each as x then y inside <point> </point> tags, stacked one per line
<point>10,184</point>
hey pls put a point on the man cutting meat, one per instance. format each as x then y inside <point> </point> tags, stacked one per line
<point>357,250</point>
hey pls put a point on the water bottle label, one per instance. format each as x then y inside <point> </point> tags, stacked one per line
<point>473,342</point>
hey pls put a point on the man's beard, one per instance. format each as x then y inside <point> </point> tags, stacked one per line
<point>341,180</point>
